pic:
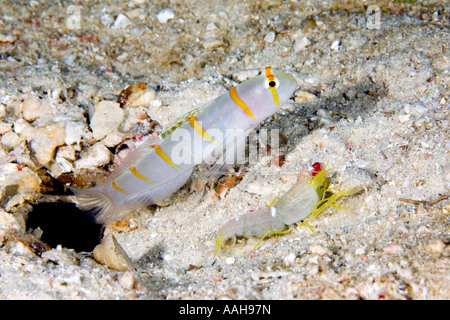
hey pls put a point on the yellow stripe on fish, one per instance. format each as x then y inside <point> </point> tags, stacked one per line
<point>198,128</point>
<point>140,176</point>
<point>164,156</point>
<point>240,103</point>
<point>115,186</point>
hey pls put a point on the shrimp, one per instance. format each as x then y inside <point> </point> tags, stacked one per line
<point>303,202</point>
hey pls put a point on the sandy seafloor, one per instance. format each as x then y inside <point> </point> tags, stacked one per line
<point>373,103</point>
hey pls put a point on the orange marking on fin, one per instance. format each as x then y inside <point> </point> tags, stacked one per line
<point>164,156</point>
<point>114,185</point>
<point>140,176</point>
<point>240,103</point>
<point>198,128</point>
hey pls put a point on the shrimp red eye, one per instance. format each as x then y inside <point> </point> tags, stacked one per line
<point>316,168</point>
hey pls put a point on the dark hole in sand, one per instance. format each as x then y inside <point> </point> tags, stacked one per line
<point>63,223</point>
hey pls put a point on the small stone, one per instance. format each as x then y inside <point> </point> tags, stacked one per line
<point>62,256</point>
<point>165,15</point>
<point>107,117</point>
<point>22,178</point>
<point>335,45</point>
<point>110,253</point>
<point>20,249</point>
<point>113,139</point>
<point>441,63</point>
<point>93,157</point>
<point>105,19</point>
<point>9,221</point>
<point>64,164</point>
<point>74,130</point>
<point>423,230</point>
<point>45,142</point>
<point>230,260</point>
<point>10,140</point>
<point>121,21</point>
<point>32,109</point>
<point>243,75</point>
<point>138,94</point>
<point>435,246</point>
<point>304,97</point>
<point>127,280</point>
<point>211,44</point>
<point>156,103</point>
<point>301,43</point>
<point>211,27</point>
<point>393,248</point>
<point>270,37</point>
<point>403,118</point>
<point>418,110</point>
<point>320,250</point>
<point>123,57</point>
<point>133,14</point>
<point>24,128</point>
<point>5,127</point>
<point>66,152</point>
<point>6,38</point>
<point>289,259</point>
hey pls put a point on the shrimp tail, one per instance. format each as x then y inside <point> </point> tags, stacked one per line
<point>97,204</point>
<point>258,224</point>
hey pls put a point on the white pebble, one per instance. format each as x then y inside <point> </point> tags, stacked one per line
<point>46,140</point>
<point>24,179</point>
<point>301,44</point>
<point>211,44</point>
<point>230,260</point>
<point>74,131</point>
<point>127,280</point>
<point>93,157</point>
<point>64,164</point>
<point>110,253</point>
<point>246,74</point>
<point>335,45</point>
<point>403,118</point>
<point>435,246</point>
<point>6,38</point>
<point>20,126</point>
<point>270,37</point>
<point>320,250</point>
<point>5,127</point>
<point>107,117</point>
<point>32,109</point>
<point>165,15</point>
<point>10,140</point>
<point>211,26</point>
<point>121,21</point>
<point>418,110</point>
<point>106,19</point>
<point>289,259</point>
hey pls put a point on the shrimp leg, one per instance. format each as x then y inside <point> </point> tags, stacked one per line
<point>271,232</point>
